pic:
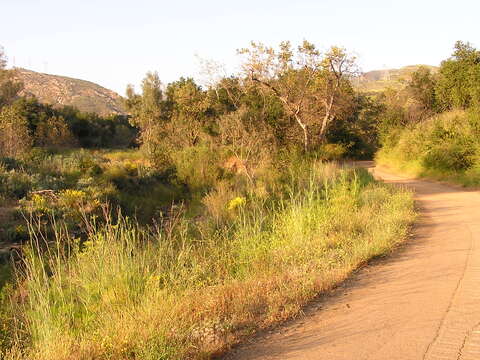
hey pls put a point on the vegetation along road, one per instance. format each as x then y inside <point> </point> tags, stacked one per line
<point>421,303</point>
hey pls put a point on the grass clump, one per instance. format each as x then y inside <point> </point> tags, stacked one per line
<point>191,287</point>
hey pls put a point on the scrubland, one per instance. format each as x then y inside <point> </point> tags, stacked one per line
<point>204,215</point>
<point>189,287</point>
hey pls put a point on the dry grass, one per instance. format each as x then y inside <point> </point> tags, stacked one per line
<point>129,293</point>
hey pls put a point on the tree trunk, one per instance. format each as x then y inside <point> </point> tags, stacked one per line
<point>305,132</point>
<point>327,118</point>
<point>290,108</point>
<point>323,128</point>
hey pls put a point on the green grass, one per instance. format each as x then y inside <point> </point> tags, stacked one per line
<point>187,290</point>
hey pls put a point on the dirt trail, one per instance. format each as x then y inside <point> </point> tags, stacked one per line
<point>423,302</point>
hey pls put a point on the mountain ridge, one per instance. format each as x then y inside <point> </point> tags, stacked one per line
<point>88,96</point>
<point>61,90</point>
<point>378,80</point>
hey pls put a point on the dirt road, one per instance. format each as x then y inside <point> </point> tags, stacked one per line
<point>423,302</point>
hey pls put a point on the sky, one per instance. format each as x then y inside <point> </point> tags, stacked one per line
<point>115,42</point>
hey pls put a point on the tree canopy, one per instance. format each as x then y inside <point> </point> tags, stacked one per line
<point>459,78</point>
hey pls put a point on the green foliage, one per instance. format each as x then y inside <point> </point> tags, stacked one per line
<point>43,182</point>
<point>198,167</point>
<point>313,88</point>
<point>459,78</point>
<point>420,91</point>
<point>147,108</point>
<point>68,127</point>
<point>358,133</point>
<point>445,146</point>
<point>455,86</point>
<point>15,138</point>
<point>9,87</point>
<point>182,292</point>
<point>331,152</point>
<point>54,133</point>
<point>229,216</point>
<point>73,206</point>
<point>14,184</point>
<point>414,103</point>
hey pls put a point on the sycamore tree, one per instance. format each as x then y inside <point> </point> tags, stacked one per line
<point>313,87</point>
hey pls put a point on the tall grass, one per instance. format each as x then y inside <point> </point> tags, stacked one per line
<point>445,147</point>
<point>180,291</point>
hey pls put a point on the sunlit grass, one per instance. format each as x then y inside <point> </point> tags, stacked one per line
<point>178,291</point>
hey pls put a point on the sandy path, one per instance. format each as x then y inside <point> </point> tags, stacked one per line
<point>423,302</point>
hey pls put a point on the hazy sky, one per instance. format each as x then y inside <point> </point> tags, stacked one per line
<point>115,42</point>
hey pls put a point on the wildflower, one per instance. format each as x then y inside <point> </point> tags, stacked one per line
<point>236,202</point>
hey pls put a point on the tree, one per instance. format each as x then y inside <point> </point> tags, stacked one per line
<point>146,108</point>
<point>9,87</point>
<point>336,93</point>
<point>188,112</point>
<point>359,131</point>
<point>421,90</point>
<point>247,138</point>
<point>147,113</point>
<point>169,120</point>
<point>15,138</point>
<point>312,87</point>
<point>54,132</point>
<point>458,84</point>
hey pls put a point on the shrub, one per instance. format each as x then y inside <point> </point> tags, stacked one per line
<point>449,156</point>
<point>54,133</point>
<point>331,151</point>
<point>15,138</point>
<point>198,166</point>
<point>73,206</point>
<point>217,201</point>
<point>15,184</point>
<point>445,146</point>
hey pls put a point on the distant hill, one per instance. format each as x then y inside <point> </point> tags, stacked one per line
<point>379,80</point>
<point>62,90</point>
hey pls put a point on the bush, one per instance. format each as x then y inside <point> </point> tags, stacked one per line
<point>198,167</point>
<point>331,152</point>
<point>445,146</point>
<point>217,202</point>
<point>15,138</point>
<point>15,184</point>
<point>449,156</point>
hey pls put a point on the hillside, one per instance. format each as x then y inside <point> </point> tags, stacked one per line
<point>62,90</point>
<point>379,80</point>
